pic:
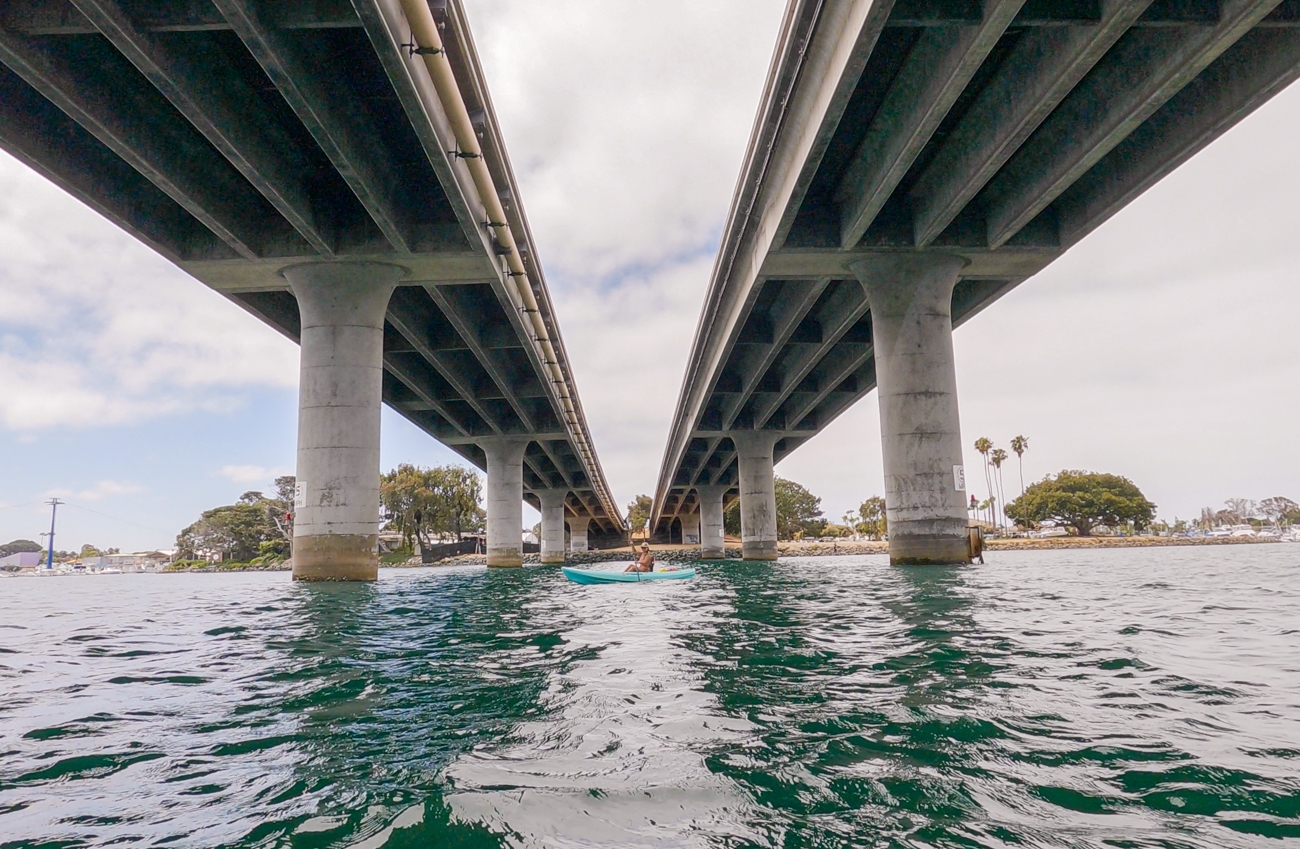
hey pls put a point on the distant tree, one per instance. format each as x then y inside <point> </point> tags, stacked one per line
<point>1020,444</point>
<point>984,445</point>
<point>798,511</point>
<point>731,519</point>
<point>996,458</point>
<point>442,501</point>
<point>234,532</point>
<point>1083,500</point>
<point>1278,509</point>
<point>870,520</point>
<point>1241,510</point>
<point>461,492</point>
<point>638,513</point>
<point>280,508</point>
<point>20,546</point>
<point>89,550</point>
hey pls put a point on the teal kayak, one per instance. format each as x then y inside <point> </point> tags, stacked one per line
<point>602,576</point>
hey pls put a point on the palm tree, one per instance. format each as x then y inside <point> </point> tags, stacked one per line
<point>1020,444</point>
<point>984,445</point>
<point>997,457</point>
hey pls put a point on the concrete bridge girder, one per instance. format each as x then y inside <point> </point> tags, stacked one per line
<point>994,136</point>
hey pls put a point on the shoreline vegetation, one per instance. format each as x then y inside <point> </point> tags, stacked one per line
<point>798,548</point>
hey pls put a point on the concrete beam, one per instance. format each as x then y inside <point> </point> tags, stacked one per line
<point>220,111</point>
<point>1141,73</point>
<point>141,128</point>
<point>1043,68</point>
<point>471,334</point>
<point>406,319</point>
<point>799,297</point>
<point>933,77</point>
<point>1258,66</point>
<point>54,17</point>
<point>91,172</point>
<point>839,315</point>
<point>339,128</point>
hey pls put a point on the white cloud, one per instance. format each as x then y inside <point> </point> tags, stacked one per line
<point>625,122</point>
<point>1162,347</point>
<point>102,489</point>
<point>252,474</point>
<point>96,329</point>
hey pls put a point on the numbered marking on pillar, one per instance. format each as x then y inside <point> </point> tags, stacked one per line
<point>299,495</point>
<point>959,478</point>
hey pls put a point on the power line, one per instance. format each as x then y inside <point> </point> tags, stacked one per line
<point>118,519</point>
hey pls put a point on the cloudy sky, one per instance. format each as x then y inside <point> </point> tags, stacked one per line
<point>1166,347</point>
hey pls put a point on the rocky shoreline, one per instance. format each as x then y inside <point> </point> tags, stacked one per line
<point>687,554</point>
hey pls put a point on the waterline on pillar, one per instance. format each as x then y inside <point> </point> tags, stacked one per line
<point>336,557</point>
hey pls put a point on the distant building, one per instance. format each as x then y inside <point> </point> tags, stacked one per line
<point>21,560</point>
<point>140,561</point>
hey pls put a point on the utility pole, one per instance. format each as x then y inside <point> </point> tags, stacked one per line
<point>54,511</point>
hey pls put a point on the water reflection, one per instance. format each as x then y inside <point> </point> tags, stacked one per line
<point>612,756</point>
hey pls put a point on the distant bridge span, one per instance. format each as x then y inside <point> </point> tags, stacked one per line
<point>913,161</point>
<point>345,181</point>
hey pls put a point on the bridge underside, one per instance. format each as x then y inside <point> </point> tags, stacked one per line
<point>1000,132</point>
<point>239,137</point>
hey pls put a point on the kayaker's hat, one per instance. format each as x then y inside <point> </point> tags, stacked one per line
<point>645,546</point>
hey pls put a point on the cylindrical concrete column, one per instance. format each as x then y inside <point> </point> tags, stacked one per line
<point>578,527</point>
<point>712,534</point>
<point>505,499</point>
<point>920,428</point>
<point>552,501</point>
<point>757,493</point>
<point>340,387</point>
<point>690,528</point>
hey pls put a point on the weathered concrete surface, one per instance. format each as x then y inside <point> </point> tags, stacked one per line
<point>552,523</point>
<point>757,493</point>
<point>505,499</point>
<point>336,506</point>
<point>691,529</point>
<point>920,428</point>
<point>578,527</point>
<point>711,529</point>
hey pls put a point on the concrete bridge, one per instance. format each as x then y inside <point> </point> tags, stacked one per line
<point>336,169</point>
<point>913,161</point>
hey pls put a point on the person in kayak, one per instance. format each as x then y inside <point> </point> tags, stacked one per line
<point>645,563</point>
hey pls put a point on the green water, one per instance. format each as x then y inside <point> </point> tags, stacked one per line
<point>1129,698</point>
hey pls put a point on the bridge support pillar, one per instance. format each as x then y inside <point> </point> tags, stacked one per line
<point>578,528</point>
<point>505,499</point>
<point>340,387</point>
<point>552,523</point>
<point>712,535</point>
<point>757,493</point>
<point>690,529</point>
<point>920,428</point>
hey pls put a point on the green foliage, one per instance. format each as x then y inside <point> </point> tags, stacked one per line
<point>638,513</point>
<point>1083,500</point>
<point>870,519</point>
<point>424,503</point>
<point>798,513</point>
<point>255,528</point>
<point>20,546</point>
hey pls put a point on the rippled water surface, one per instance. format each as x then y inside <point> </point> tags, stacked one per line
<point>1126,698</point>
